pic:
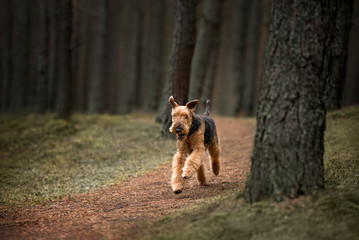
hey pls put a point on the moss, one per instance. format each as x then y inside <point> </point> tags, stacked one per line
<point>332,213</point>
<point>42,158</point>
<point>329,216</point>
<point>342,149</point>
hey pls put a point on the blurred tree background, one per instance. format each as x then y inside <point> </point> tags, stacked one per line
<point>109,56</point>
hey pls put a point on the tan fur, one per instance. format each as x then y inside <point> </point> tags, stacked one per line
<point>188,159</point>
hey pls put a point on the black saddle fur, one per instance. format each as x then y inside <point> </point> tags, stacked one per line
<point>209,128</point>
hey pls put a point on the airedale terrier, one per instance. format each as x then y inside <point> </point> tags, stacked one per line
<point>195,134</point>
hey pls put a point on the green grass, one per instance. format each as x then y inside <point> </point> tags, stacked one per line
<point>42,158</point>
<point>332,213</point>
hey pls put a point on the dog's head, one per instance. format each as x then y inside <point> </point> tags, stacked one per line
<point>182,117</point>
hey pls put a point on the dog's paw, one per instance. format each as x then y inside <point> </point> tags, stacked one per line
<point>215,168</point>
<point>178,191</point>
<point>177,188</point>
<point>187,174</point>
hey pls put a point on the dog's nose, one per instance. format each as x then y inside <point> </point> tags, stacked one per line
<point>178,130</point>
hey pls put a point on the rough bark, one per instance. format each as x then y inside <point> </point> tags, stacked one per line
<point>178,72</point>
<point>288,151</point>
<point>64,60</point>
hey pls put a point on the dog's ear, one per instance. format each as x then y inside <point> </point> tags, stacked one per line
<point>192,104</point>
<point>172,102</point>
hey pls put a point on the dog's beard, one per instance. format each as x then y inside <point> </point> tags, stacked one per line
<point>182,134</point>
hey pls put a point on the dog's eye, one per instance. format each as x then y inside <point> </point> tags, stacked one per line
<point>185,117</point>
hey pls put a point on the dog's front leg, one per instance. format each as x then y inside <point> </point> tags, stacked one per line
<point>177,181</point>
<point>193,162</point>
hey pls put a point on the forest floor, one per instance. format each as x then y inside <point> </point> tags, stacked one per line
<point>112,212</point>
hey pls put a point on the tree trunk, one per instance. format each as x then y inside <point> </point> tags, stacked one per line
<point>251,59</point>
<point>205,41</point>
<point>113,55</point>
<point>5,61</point>
<point>95,100</point>
<point>128,52</point>
<point>211,69</point>
<point>264,19</point>
<point>42,68</point>
<point>229,82</point>
<point>152,46</point>
<point>30,85</point>
<point>180,57</point>
<point>169,17</point>
<point>64,60</point>
<point>21,55</point>
<point>342,19</point>
<point>351,86</point>
<point>53,55</point>
<point>78,55</point>
<point>208,85</point>
<point>288,151</point>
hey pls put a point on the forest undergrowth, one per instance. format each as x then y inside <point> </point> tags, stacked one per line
<point>42,158</point>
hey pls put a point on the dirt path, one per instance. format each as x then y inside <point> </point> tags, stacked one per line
<point>110,211</point>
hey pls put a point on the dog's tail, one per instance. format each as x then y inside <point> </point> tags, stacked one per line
<point>206,113</point>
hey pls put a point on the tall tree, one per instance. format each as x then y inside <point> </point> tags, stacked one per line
<point>206,39</point>
<point>152,50</point>
<point>31,83</point>
<point>251,59</point>
<point>113,52</point>
<point>178,72</point>
<point>6,13</point>
<point>264,20</point>
<point>42,68</point>
<point>351,86</point>
<point>288,151</point>
<point>63,107</point>
<point>85,33</point>
<point>168,32</point>
<point>53,54</point>
<point>129,56</point>
<point>96,92</point>
<point>21,54</point>
<point>342,19</point>
<point>229,85</point>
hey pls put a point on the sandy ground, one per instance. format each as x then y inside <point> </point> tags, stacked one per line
<point>108,213</point>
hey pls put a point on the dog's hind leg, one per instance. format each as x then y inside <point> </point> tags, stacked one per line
<point>214,152</point>
<point>201,177</point>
